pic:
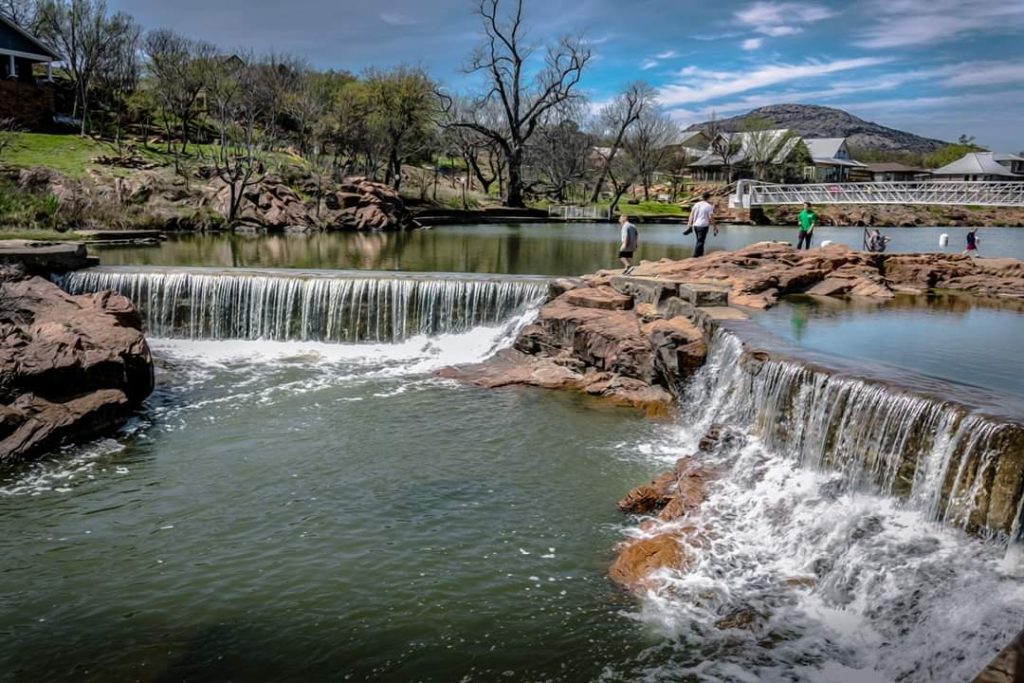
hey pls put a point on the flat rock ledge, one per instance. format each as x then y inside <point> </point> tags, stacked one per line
<point>635,340</point>
<point>72,368</point>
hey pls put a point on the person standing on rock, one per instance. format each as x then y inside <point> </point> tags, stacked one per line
<point>972,243</point>
<point>702,218</point>
<point>628,240</point>
<point>808,220</point>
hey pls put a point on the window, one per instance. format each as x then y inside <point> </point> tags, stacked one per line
<point>810,173</point>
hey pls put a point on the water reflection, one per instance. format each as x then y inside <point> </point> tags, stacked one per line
<point>543,249</point>
<point>958,338</point>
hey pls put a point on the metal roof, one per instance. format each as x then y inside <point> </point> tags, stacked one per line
<point>975,163</point>
<point>824,148</point>
<point>779,144</point>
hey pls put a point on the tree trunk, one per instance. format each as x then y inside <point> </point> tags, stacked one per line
<point>514,190</point>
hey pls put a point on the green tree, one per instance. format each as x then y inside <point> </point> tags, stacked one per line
<point>949,153</point>
<point>402,108</point>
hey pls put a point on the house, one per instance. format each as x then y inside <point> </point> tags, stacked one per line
<point>1014,162</point>
<point>888,172</point>
<point>732,156</point>
<point>975,166</point>
<point>22,98</point>
<point>830,160</point>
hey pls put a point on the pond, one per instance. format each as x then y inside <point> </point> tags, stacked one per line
<point>542,249</point>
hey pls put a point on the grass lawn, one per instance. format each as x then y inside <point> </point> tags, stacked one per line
<point>69,154</point>
<point>647,209</point>
<point>73,155</point>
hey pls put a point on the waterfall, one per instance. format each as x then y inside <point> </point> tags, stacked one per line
<point>830,544</point>
<point>953,462</point>
<point>196,303</point>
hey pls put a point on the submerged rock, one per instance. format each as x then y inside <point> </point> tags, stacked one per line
<point>642,557</point>
<point>673,496</point>
<point>71,367</point>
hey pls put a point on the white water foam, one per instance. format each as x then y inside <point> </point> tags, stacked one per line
<point>805,573</point>
<point>418,355</point>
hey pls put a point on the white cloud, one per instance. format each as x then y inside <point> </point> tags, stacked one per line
<point>667,54</point>
<point>781,18</point>
<point>985,73</point>
<point>752,43</point>
<point>701,85</point>
<point>649,64</point>
<point>905,23</point>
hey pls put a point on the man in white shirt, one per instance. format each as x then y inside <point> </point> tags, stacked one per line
<point>702,217</point>
<point>628,240</point>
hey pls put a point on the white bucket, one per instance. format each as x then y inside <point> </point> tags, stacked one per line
<point>944,240</point>
<point>826,243</point>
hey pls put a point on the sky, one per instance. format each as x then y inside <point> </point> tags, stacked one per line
<point>939,68</point>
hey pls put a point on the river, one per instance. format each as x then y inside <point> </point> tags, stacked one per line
<point>301,499</point>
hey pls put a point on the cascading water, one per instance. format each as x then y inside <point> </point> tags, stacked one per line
<point>311,306</point>
<point>828,549</point>
<point>950,462</point>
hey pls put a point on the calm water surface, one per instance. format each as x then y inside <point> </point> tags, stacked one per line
<point>543,249</point>
<point>324,512</point>
<point>946,337</point>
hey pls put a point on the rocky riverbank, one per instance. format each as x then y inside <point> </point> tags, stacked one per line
<point>71,367</point>
<point>901,216</point>
<point>287,201</point>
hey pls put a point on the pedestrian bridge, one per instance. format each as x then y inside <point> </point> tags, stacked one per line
<point>750,193</point>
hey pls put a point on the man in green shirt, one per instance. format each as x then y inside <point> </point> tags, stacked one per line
<point>808,219</point>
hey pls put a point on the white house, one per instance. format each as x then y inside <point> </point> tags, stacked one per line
<point>831,160</point>
<point>975,166</point>
<point>733,155</point>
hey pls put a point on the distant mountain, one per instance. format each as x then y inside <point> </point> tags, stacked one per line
<point>813,121</point>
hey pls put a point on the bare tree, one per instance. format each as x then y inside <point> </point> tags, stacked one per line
<point>118,76</point>
<point>767,148</point>
<point>523,98</point>
<point>648,145</point>
<point>723,144</point>
<point>616,119</point>
<point>86,40</point>
<point>181,69</point>
<point>306,107</point>
<point>240,106</point>
<point>22,12</point>
<point>561,149</point>
<point>481,154</point>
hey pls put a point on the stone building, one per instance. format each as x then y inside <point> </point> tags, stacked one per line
<point>23,97</point>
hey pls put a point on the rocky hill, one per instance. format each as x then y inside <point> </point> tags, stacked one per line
<point>815,121</point>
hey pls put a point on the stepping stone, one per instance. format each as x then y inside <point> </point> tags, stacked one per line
<point>646,290</point>
<point>604,298</point>
<point>704,295</point>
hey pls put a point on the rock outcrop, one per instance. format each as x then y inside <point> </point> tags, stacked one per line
<point>635,340</point>
<point>357,204</point>
<point>155,198</point>
<point>71,367</point>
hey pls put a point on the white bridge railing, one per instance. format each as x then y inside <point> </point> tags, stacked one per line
<point>975,193</point>
<point>579,213</point>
